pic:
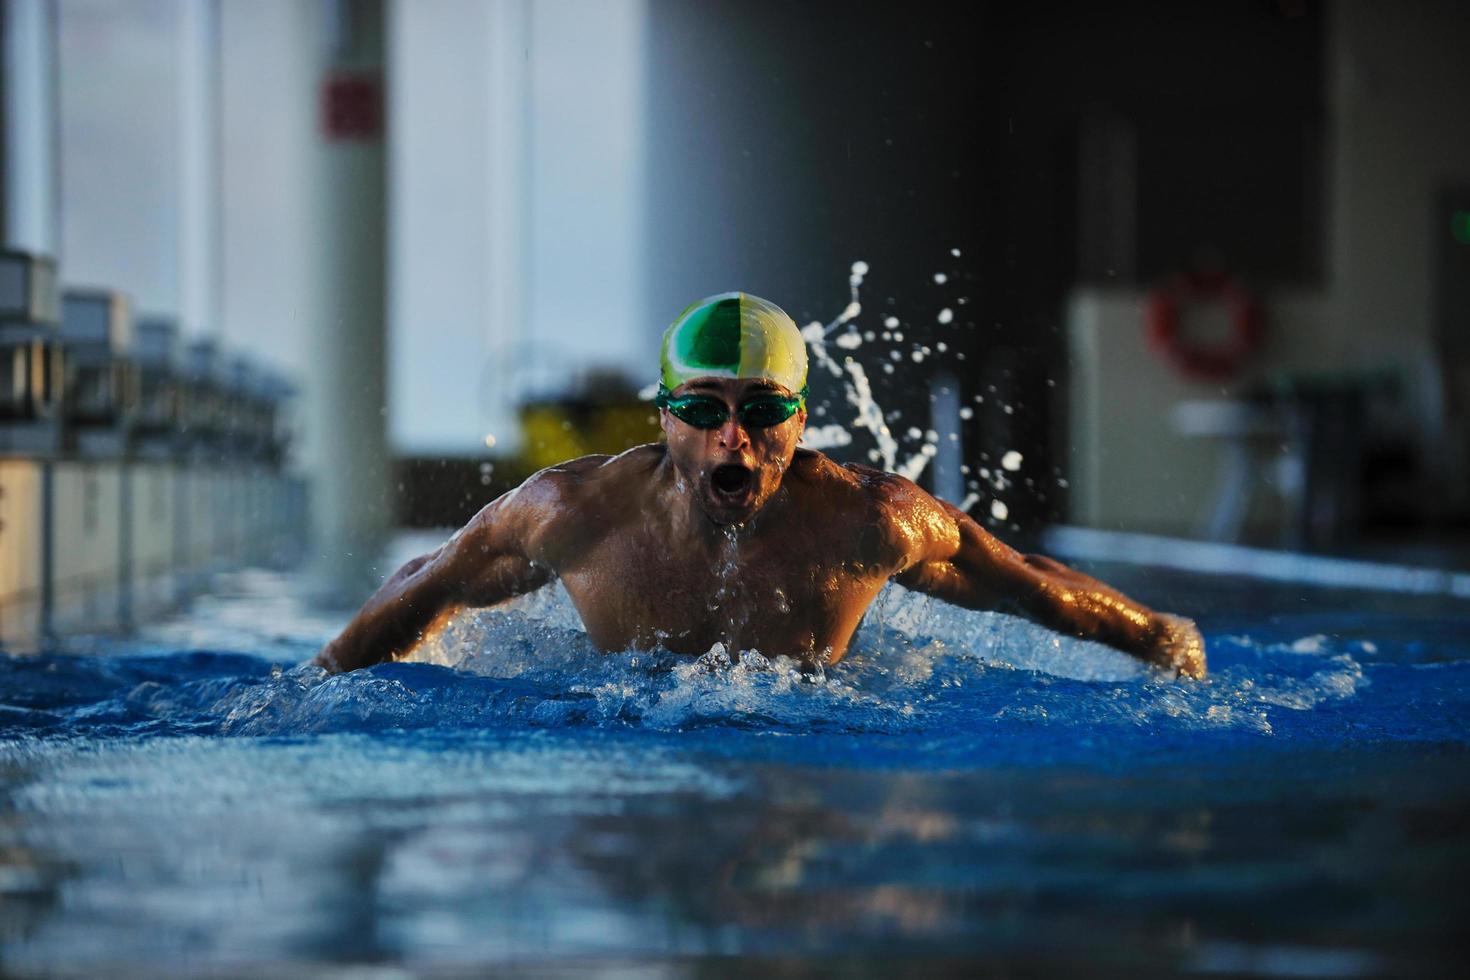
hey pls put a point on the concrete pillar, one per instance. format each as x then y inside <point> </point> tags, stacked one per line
<point>345,398</point>
<point>199,166</point>
<point>30,204</point>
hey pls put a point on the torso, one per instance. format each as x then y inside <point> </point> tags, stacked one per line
<point>795,581</point>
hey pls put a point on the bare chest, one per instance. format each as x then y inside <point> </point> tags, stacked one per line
<point>771,594</point>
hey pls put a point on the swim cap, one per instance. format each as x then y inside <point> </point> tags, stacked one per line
<point>733,335</point>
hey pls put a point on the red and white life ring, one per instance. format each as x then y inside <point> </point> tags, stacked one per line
<point>1163,311</point>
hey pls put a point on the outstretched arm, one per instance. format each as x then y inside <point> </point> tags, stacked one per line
<point>484,563</point>
<point>964,564</point>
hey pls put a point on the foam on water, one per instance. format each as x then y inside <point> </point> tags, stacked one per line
<point>917,667</point>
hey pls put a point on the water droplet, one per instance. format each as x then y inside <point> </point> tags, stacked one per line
<point>946,315</point>
<point>941,278</point>
<point>1011,461</point>
<point>999,510</point>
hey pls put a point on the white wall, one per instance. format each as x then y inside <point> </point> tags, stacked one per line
<point>515,132</point>
<point>120,159</point>
<point>585,280</point>
<point>270,63</point>
<point>453,208</point>
<point>1129,466</point>
<point>515,197</point>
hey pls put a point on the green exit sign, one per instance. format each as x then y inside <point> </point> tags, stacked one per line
<point>1460,226</point>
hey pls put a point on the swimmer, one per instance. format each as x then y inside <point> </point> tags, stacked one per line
<point>729,533</point>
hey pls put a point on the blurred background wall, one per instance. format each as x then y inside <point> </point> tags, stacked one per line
<point>1026,183</point>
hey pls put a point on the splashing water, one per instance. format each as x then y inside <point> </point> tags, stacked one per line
<point>917,667</point>
<point>843,333</point>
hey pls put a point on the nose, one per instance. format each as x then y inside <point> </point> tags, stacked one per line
<point>733,435</point>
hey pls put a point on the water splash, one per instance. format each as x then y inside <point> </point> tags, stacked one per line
<point>843,333</point>
<point>918,667</point>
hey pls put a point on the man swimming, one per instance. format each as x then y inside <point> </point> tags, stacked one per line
<point>729,533</point>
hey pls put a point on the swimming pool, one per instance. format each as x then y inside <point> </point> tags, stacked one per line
<point>964,787</point>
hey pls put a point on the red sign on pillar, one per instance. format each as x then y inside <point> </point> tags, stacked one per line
<point>352,106</point>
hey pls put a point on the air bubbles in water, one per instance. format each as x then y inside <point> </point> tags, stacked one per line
<point>890,322</point>
<point>941,278</point>
<point>1011,461</point>
<point>999,510</point>
<point>946,315</point>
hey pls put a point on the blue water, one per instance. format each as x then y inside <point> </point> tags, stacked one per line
<point>964,787</point>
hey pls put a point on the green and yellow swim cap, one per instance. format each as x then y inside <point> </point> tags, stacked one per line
<point>733,335</point>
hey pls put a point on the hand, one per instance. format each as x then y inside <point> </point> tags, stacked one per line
<point>1181,647</point>
<point>326,659</point>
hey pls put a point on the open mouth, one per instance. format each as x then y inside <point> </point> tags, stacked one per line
<point>731,479</point>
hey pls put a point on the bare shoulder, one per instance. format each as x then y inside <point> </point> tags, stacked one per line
<point>900,519</point>
<point>893,497</point>
<point>565,483</point>
<point>566,507</point>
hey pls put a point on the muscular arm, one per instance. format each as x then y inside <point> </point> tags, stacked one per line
<point>961,563</point>
<point>485,563</point>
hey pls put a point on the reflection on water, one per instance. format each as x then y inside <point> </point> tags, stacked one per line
<point>964,786</point>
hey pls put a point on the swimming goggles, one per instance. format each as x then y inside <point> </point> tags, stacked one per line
<point>707,412</point>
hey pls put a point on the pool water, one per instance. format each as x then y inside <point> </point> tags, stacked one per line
<point>966,788</point>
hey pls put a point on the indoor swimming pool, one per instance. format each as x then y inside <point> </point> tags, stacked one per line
<point>965,786</point>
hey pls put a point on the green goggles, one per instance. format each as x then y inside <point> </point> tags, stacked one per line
<point>707,412</point>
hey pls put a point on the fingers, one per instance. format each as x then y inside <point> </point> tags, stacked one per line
<point>1184,647</point>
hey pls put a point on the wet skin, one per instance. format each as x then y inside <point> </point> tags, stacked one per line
<point>734,535</point>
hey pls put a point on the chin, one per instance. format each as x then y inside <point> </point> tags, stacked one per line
<point>722,509</point>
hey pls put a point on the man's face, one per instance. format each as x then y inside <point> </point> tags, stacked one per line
<point>732,469</point>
